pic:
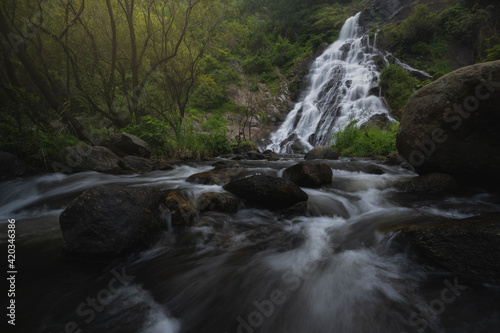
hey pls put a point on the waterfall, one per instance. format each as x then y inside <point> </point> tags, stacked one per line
<point>343,85</point>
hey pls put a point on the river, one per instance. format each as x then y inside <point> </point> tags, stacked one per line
<point>337,268</point>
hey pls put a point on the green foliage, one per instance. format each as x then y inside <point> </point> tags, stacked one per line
<point>418,27</point>
<point>492,54</point>
<point>208,95</point>
<point>155,132</point>
<point>369,141</point>
<point>257,64</point>
<point>191,144</point>
<point>186,142</point>
<point>424,37</point>
<point>37,148</point>
<point>241,146</point>
<point>397,86</point>
<point>420,40</point>
<point>214,123</point>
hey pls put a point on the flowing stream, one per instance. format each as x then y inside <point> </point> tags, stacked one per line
<point>343,86</point>
<point>335,269</point>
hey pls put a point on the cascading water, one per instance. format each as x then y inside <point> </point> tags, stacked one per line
<point>343,86</point>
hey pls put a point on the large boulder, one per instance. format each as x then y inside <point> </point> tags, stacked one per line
<point>322,153</point>
<point>109,221</point>
<point>128,144</point>
<point>451,125</point>
<point>85,158</point>
<point>182,210</point>
<point>470,247</point>
<point>309,174</point>
<point>267,191</point>
<point>11,166</point>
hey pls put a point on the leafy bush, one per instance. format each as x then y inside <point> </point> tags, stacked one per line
<point>155,132</point>
<point>369,141</point>
<point>397,86</point>
<point>419,26</point>
<point>492,54</point>
<point>191,144</point>
<point>257,64</point>
<point>208,95</point>
<point>37,146</point>
<point>241,146</point>
<point>214,123</point>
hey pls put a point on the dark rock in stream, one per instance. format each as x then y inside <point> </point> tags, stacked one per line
<point>431,183</point>
<point>322,153</point>
<point>219,202</point>
<point>469,247</point>
<point>215,177</point>
<point>182,210</point>
<point>267,191</point>
<point>107,222</point>
<point>309,174</point>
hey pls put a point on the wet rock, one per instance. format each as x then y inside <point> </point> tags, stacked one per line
<point>380,120</point>
<point>374,89</point>
<point>164,166</point>
<point>309,174</point>
<point>373,169</point>
<point>451,125</point>
<point>85,158</point>
<point>215,177</point>
<point>134,164</point>
<point>430,183</point>
<point>393,159</point>
<point>109,221</point>
<point>267,191</point>
<point>298,209</point>
<point>219,202</point>
<point>271,156</point>
<point>182,211</point>
<point>11,166</point>
<point>130,144</point>
<point>293,144</point>
<point>322,153</point>
<point>469,247</point>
